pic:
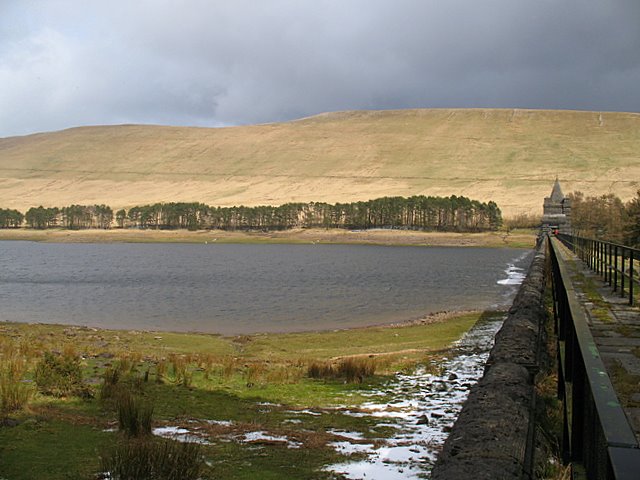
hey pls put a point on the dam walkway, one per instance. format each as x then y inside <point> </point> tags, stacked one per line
<point>615,326</point>
<point>613,318</point>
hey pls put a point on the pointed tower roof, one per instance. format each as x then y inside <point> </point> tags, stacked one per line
<point>556,194</point>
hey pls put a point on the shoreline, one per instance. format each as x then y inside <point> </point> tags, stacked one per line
<point>381,237</point>
<point>428,319</point>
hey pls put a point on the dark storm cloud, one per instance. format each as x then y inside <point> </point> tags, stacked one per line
<point>197,62</point>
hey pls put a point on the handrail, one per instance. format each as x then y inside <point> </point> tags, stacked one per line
<point>596,432</point>
<point>612,261</point>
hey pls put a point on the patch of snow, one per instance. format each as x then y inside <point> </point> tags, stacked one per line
<point>306,412</point>
<point>179,434</point>
<point>224,423</point>
<point>344,433</point>
<point>263,436</point>
<point>348,448</point>
<point>422,406</point>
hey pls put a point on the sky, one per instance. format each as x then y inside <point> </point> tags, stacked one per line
<point>67,63</point>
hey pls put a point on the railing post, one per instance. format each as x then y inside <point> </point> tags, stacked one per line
<point>615,268</point>
<point>622,272</point>
<point>606,262</point>
<point>601,257</point>
<point>631,277</point>
<point>609,262</point>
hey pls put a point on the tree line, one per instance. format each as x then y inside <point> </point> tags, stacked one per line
<point>418,212</point>
<point>606,217</point>
<point>10,218</point>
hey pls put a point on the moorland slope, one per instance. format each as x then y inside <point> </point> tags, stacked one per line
<point>509,156</point>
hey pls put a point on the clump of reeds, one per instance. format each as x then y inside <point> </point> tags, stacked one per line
<point>161,370</point>
<point>156,459</point>
<point>123,376</point>
<point>59,375</point>
<point>355,370</point>
<point>207,364</point>
<point>182,373</point>
<point>255,373</point>
<point>229,365</point>
<point>351,369</point>
<point>134,414</point>
<point>110,386</point>
<point>320,370</point>
<point>15,393</point>
<point>284,374</point>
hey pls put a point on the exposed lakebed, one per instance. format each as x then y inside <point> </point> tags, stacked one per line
<point>232,289</point>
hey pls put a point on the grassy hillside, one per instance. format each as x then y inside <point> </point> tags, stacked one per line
<point>509,156</point>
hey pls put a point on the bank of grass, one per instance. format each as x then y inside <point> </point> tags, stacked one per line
<point>256,382</point>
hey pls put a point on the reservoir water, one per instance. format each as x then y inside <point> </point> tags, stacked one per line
<point>234,289</point>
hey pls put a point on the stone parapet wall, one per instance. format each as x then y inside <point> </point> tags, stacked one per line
<point>493,436</point>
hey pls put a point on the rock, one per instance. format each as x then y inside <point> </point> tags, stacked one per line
<point>423,420</point>
<point>442,387</point>
<point>453,376</point>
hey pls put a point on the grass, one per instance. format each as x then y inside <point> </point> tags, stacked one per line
<point>339,157</point>
<point>256,382</point>
<point>406,340</point>
<point>50,449</point>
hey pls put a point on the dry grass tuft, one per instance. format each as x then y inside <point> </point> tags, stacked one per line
<point>15,393</point>
<point>351,369</point>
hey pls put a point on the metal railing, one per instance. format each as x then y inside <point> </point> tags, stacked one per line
<point>616,264</point>
<point>596,434</point>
